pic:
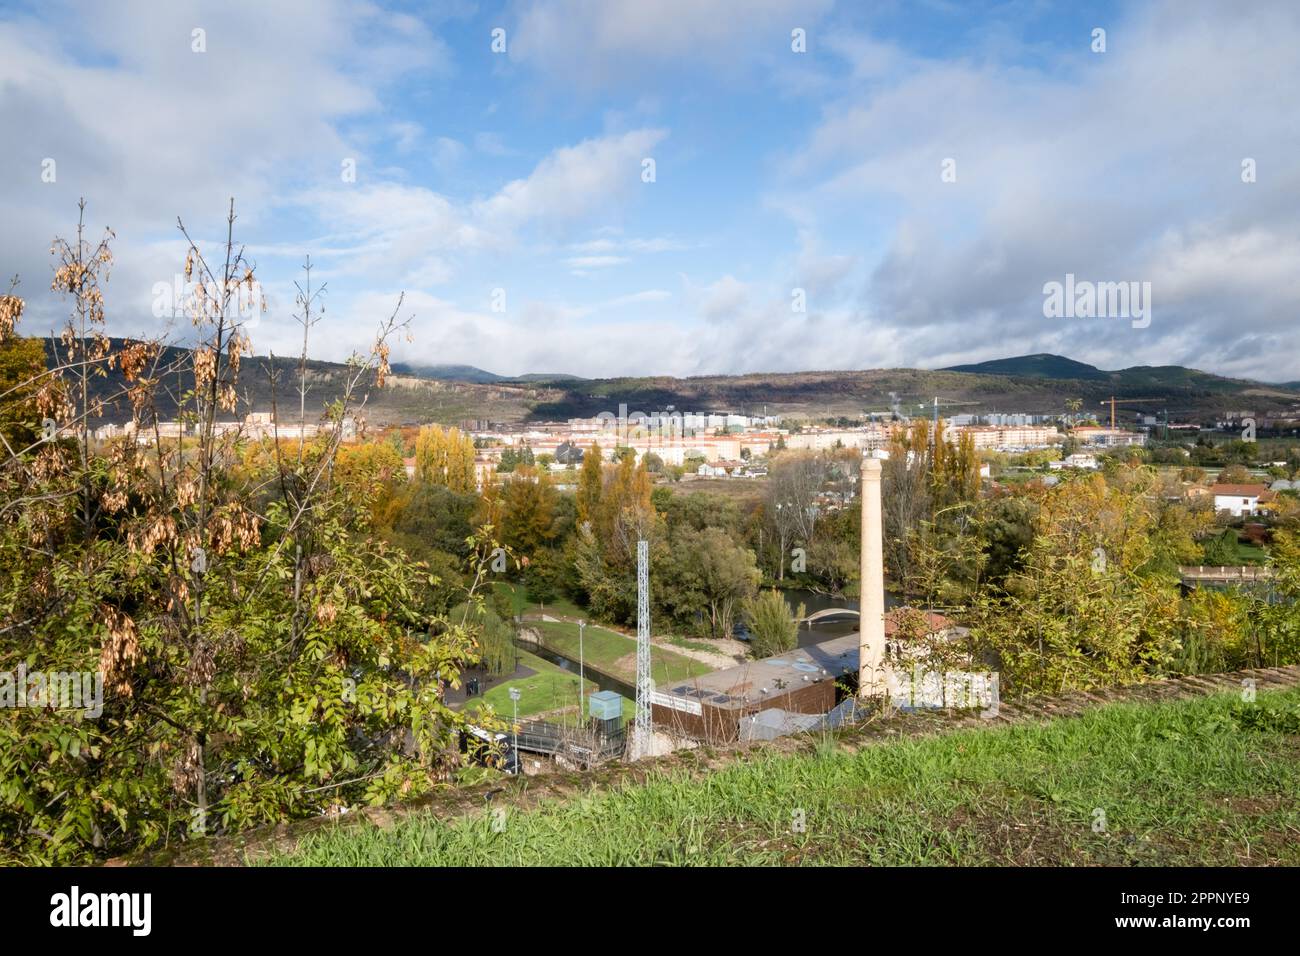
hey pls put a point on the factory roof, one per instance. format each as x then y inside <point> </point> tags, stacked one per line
<point>756,681</point>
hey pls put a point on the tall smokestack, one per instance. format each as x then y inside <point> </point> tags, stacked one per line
<point>871,616</point>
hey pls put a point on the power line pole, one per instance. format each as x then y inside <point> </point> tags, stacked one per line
<point>514,701</point>
<point>582,674</point>
<point>643,734</point>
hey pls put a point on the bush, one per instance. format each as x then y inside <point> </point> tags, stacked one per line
<point>495,638</point>
<point>1222,550</point>
<point>774,627</point>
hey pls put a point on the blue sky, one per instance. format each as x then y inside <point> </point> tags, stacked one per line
<point>775,171</point>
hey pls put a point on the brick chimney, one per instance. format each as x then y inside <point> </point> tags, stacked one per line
<point>871,617</point>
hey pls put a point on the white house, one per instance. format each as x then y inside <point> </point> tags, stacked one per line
<point>1084,462</point>
<point>1237,500</point>
<point>717,470</point>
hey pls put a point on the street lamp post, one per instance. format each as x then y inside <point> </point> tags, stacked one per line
<point>514,700</point>
<point>582,673</point>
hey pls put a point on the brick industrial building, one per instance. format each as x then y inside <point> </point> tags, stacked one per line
<point>807,680</point>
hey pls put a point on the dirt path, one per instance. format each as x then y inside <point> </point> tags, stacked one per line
<point>729,653</point>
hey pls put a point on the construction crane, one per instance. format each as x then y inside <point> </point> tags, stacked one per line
<point>1113,401</point>
<point>945,402</point>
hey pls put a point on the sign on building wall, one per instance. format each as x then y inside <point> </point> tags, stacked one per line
<point>684,704</point>
<point>939,689</point>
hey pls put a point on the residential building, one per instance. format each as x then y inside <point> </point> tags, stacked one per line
<point>1011,437</point>
<point>1108,437</point>
<point>1238,500</point>
<point>1080,461</point>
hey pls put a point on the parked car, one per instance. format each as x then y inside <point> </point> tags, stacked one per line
<point>490,749</point>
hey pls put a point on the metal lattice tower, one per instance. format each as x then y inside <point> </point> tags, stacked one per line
<point>643,733</point>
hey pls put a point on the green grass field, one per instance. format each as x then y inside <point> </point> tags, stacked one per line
<point>1252,554</point>
<point>1202,782</point>
<point>551,688</point>
<point>518,597</point>
<point>615,653</point>
<point>563,607</point>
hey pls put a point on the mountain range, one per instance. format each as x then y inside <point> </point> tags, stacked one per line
<point>1034,384</point>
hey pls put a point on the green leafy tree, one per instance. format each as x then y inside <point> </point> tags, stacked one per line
<point>435,516</point>
<point>707,577</point>
<point>1080,613</point>
<point>493,637</point>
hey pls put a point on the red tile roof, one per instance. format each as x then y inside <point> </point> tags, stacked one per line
<point>1240,491</point>
<point>934,621</point>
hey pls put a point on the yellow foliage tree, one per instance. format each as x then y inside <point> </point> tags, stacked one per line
<point>589,484</point>
<point>445,456</point>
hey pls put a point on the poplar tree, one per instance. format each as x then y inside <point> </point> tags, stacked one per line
<point>445,457</point>
<point>589,485</point>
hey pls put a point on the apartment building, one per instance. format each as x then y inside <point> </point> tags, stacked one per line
<point>1011,437</point>
<point>1108,437</point>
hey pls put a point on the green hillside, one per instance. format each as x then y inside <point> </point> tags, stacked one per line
<point>1042,365</point>
<point>1207,782</point>
<point>448,373</point>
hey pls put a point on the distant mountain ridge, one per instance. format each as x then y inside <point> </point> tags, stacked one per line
<point>448,373</point>
<point>1040,365</point>
<point>1045,365</point>
<point>455,394</point>
<point>549,377</point>
<point>472,373</point>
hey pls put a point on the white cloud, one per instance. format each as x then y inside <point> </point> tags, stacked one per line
<point>589,43</point>
<point>596,262</point>
<point>1122,166</point>
<point>146,129</point>
<point>573,182</point>
<point>1115,167</point>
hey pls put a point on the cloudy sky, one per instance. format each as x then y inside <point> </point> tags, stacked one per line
<point>505,191</point>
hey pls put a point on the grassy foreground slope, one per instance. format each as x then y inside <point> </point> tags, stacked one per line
<point>1194,782</point>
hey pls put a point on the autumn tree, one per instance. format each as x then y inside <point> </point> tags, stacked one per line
<point>528,522</point>
<point>22,366</point>
<point>590,481</point>
<point>1235,475</point>
<point>445,456</point>
<point>626,513</point>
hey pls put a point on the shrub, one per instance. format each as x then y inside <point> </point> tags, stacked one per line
<point>774,627</point>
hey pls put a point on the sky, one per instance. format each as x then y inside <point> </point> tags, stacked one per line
<point>677,187</point>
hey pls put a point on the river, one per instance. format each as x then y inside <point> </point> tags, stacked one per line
<point>601,680</point>
<point>824,630</point>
